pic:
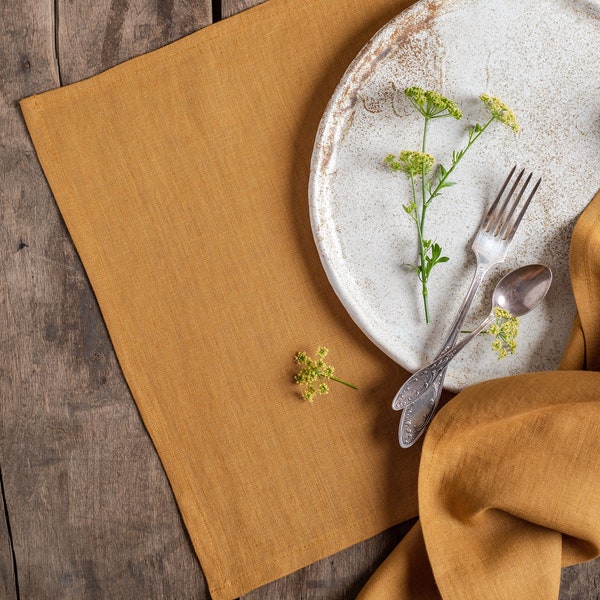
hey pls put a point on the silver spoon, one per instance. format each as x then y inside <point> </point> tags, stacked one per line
<point>518,292</point>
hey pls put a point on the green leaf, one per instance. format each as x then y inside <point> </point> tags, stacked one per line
<point>446,184</point>
<point>414,268</point>
<point>410,209</point>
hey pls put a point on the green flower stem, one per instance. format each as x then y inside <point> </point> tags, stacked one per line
<point>425,129</point>
<point>423,259</point>
<point>424,204</point>
<point>427,201</point>
<point>420,221</point>
<point>354,387</point>
<point>444,178</point>
<point>421,227</point>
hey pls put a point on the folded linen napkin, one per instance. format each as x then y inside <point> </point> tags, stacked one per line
<point>182,177</point>
<point>509,483</point>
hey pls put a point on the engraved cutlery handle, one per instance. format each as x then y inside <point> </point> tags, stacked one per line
<point>429,376</point>
<point>403,397</point>
<point>417,416</point>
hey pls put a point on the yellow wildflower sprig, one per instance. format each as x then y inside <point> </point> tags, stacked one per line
<point>431,104</point>
<point>313,372</point>
<point>418,166</point>
<point>500,111</point>
<point>410,162</point>
<point>505,331</point>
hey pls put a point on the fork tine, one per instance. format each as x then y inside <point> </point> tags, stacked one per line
<point>501,231</point>
<point>492,208</point>
<point>500,214</point>
<point>508,235</point>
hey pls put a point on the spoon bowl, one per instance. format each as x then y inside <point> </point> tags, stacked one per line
<point>521,290</point>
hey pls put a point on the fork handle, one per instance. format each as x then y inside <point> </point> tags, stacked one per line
<point>422,380</point>
<point>416,416</point>
<point>401,399</point>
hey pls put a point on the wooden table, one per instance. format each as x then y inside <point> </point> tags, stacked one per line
<point>88,511</point>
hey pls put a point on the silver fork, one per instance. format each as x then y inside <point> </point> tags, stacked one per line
<point>490,247</point>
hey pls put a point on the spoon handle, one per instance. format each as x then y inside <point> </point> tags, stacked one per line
<point>423,379</point>
<point>480,271</point>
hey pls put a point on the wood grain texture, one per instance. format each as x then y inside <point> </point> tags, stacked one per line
<point>232,7</point>
<point>91,512</point>
<point>581,582</point>
<point>28,221</point>
<point>8,581</point>
<point>93,36</point>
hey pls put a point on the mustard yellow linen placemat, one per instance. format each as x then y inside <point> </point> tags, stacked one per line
<point>182,178</point>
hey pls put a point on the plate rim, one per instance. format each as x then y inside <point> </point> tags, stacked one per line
<point>318,159</point>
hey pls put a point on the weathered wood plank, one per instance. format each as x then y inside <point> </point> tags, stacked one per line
<point>581,582</point>
<point>26,41</point>
<point>232,7</point>
<point>91,511</point>
<point>8,581</point>
<point>93,36</point>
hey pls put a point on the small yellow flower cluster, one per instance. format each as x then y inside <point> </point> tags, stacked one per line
<point>505,331</point>
<point>410,162</point>
<point>442,103</point>
<point>313,371</point>
<point>500,111</point>
<point>416,94</point>
<point>431,103</point>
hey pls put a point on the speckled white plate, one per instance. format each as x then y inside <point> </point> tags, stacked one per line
<point>542,58</point>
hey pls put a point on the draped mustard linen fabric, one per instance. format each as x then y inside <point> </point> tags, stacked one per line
<point>509,482</point>
<point>182,177</point>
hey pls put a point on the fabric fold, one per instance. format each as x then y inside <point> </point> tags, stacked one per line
<point>509,481</point>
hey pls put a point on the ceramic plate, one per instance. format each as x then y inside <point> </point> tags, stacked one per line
<point>542,59</point>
